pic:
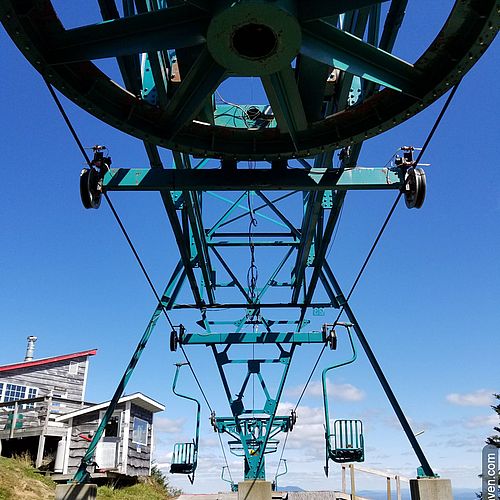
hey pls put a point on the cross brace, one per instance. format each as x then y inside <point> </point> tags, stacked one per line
<point>253,338</point>
<point>315,179</point>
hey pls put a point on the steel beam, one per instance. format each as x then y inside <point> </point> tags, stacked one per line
<point>129,65</point>
<point>202,80</point>
<point>317,9</point>
<point>381,377</point>
<point>320,179</point>
<point>284,96</point>
<point>319,260</point>
<point>311,82</point>
<point>244,305</point>
<point>253,338</point>
<point>346,52</point>
<point>171,28</point>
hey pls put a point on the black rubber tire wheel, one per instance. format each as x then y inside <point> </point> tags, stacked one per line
<point>174,341</point>
<point>84,188</point>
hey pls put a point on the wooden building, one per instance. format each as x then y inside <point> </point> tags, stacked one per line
<point>32,394</point>
<point>43,411</point>
<point>125,448</point>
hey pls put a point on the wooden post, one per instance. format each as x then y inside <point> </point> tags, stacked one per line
<point>39,453</point>
<point>353,482</point>
<point>344,483</point>
<point>398,487</point>
<point>14,420</point>
<point>388,488</point>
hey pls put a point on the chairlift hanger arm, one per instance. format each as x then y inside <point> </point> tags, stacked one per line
<point>325,372</point>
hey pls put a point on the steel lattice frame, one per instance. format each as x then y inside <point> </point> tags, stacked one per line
<point>331,82</point>
<point>313,33</point>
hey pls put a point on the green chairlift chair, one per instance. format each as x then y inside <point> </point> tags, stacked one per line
<point>346,442</point>
<point>185,456</point>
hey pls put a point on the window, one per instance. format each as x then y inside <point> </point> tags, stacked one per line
<point>73,368</point>
<point>112,428</point>
<point>58,392</point>
<point>140,432</point>
<point>14,392</point>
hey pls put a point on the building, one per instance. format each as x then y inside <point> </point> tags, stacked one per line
<point>43,411</point>
<point>126,446</point>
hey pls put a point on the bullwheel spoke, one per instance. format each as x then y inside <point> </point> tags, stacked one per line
<point>316,9</point>
<point>171,28</point>
<point>286,103</point>
<point>199,84</point>
<point>311,80</point>
<point>346,52</point>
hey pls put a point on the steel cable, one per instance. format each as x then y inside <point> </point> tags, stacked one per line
<point>134,251</point>
<point>382,229</point>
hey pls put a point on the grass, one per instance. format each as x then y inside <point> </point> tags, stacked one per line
<point>148,490</point>
<point>18,480</point>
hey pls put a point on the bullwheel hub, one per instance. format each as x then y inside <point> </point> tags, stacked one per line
<point>254,38</point>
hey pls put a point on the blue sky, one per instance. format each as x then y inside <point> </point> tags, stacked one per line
<point>429,301</point>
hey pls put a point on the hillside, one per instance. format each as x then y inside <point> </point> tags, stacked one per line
<point>19,481</point>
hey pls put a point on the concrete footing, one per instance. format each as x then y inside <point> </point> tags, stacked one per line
<point>430,489</point>
<point>76,492</point>
<point>254,490</point>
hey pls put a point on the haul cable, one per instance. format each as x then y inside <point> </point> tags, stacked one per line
<point>380,233</point>
<point>82,475</point>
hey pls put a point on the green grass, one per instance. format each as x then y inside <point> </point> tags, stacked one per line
<point>142,491</point>
<point>18,479</point>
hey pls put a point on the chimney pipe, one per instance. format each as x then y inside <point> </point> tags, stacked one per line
<point>30,349</point>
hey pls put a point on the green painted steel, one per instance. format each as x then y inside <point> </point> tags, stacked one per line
<point>347,435</point>
<point>292,46</point>
<point>253,338</point>
<point>253,433</point>
<point>254,38</point>
<point>316,179</point>
<point>253,439</point>
<point>82,475</point>
<point>185,455</point>
<point>331,82</point>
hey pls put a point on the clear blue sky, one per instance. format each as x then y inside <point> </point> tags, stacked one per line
<point>429,301</point>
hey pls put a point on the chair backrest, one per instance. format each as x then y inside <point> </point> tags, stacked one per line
<point>348,434</point>
<point>184,453</point>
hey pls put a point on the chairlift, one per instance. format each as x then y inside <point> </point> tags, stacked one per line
<point>346,443</point>
<point>234,486</point>
<point>275,482</point>
<point>185,456</point>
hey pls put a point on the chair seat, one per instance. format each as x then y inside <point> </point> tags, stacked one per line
<point>182,468</point>
<point>347,455</point>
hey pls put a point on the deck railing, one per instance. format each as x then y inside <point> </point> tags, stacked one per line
<point>39,412</point>
<point>388,475</point>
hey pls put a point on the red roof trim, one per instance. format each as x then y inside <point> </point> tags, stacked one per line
<point>45,361</point>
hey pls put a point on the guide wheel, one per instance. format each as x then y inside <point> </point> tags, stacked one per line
<point>332,340</point>
<point>174,341</point>
<point>293,420</point>
<point>415,187</point>
<point>90,188</point>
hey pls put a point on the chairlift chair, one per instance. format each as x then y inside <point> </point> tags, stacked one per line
<point>185,456</point>
<point>346,443</point>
